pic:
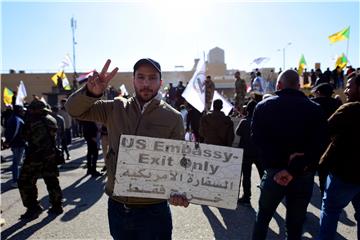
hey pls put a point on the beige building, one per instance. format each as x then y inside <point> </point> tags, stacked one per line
<point>40,84</point>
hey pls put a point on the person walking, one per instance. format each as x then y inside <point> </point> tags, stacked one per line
<point>39,129</point>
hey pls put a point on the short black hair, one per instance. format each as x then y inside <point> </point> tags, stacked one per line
<point>218,104</point>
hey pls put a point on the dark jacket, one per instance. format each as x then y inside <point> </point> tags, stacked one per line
<point>342,155</point>
<point>13,131</point>
<point>217,129</point>
<point>328,104</point>
<point>243,130</point>
<point>287,123</point>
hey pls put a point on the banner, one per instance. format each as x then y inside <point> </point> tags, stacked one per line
<point>21,94</point>
<point>227,106</point>
<point>156,168</point>
<point>194,92</point>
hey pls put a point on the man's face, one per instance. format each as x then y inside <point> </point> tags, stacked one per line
<point>237,75</point>
<point>147,82</point>
<point>352,91</point>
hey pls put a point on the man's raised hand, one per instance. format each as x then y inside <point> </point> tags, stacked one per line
<point>97,83</point>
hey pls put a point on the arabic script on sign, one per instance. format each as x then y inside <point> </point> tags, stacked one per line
<point>155,168</point>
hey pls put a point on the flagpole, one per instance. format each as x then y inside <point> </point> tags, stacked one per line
<point>73,27</point>
<point>347,49</point>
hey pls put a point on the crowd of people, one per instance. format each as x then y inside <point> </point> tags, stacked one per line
<point>288,135</point>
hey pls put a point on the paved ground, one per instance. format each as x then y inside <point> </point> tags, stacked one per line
<point>85,207</point>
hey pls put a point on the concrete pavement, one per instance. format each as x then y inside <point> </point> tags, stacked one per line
<point>85,210</point>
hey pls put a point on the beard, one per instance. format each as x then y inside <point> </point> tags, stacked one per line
<point>145,94</point>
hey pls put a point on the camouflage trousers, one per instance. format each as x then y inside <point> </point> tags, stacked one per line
<point>239,102</point>
<point>31,170</point>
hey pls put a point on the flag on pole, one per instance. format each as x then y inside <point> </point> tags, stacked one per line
<point>341,35</point>
<point>227,106</point>
<point>21,94</point>
<point>194,92</point>
<point>259,60</point>
<point>85,76</point>
<point>341,61</point>
<point>65,62</point>
<point>7,95</point>
<point>302,65</point>
<point>65,82</point>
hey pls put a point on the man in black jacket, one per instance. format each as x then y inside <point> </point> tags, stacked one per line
<point>289,130</point>
<point>250,155</point>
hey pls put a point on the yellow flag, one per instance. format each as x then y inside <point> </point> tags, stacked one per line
<point>302,65</point>
<point>57,75</point>
<point>341,35</point>
<point>8,94</point>
<point>341,61</point>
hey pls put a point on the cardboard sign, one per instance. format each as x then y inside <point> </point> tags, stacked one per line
<point>155,168</point>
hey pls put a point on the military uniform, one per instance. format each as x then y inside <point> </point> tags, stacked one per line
<point>240,90</point>
<point>39,161</point>
<point>209,93</point>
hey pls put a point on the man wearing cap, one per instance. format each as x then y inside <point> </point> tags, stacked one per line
<point>144,114</point>
<point>289,130</point>
<point>39,131</point>
<point>342,158</point>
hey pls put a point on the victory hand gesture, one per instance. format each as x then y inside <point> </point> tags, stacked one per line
<point>97,83</point>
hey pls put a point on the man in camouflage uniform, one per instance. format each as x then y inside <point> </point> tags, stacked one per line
<point>240,91</point>
<point>39,131</point>
<point>209,93</point>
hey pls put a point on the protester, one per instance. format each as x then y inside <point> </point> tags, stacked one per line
<point>258,84</point>
<point>342,159</point>
<point>209,93</point>
<point>324,98</point>
<point>216,128</point>
<point>104,144</point>
<point>67,139</point>
<point>193,122</point>
<point>90,132</point>
<point>179,98</point>
<point>240,92</point>
<point>39,131</point>
<point>250,154</point>
<point>145,114</point>
<point>289,130</point>
<point>60,133</point>
<point>184,113</point>
<point>14,140</point>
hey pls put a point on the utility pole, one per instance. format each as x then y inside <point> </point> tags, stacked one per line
<point>283,51</point>
<point>73,27</point>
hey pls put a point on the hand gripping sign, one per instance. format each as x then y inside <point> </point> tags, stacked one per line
<point>155,168</point>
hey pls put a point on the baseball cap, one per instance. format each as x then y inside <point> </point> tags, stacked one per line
<point>150,61</point>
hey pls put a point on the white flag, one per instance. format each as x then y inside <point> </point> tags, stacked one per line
<point>194,92</point>
<point>65,62</point>
<point>65,83</point>
<point>227,106</point>
<point>123,90</point>
<point>259,60</point>
<point>21,94</point>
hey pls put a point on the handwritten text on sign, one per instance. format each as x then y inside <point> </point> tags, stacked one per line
<point>154,168</point>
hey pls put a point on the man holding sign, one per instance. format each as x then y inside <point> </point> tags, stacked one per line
<point>145,114</point>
